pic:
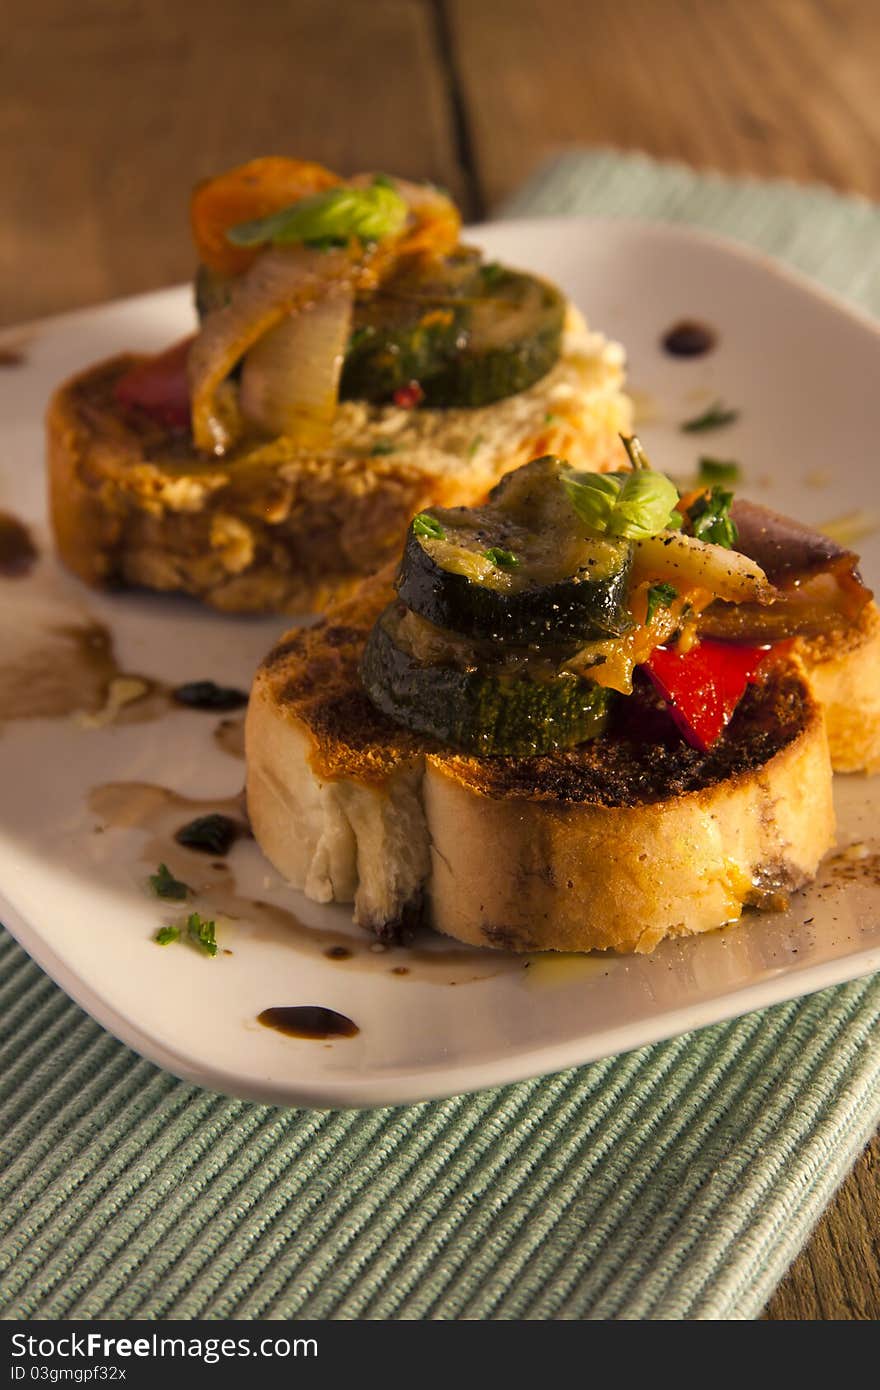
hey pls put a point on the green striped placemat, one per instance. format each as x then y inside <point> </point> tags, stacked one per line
<point>675,1182</point>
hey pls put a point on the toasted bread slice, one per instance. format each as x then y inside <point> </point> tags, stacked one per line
<point>273,528</point>
<point>615,844</point>
<point>843,669</point>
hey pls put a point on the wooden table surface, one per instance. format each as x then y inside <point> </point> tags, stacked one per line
<point>111,109</point>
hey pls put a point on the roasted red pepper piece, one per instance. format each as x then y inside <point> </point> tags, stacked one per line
<point>409,396</point>
<point>159,387</point>
<point>704,685</point>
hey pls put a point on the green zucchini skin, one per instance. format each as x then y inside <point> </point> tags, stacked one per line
<point>573,609</point>
<point>480,712</point>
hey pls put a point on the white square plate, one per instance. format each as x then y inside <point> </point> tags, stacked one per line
<point>802,369</point>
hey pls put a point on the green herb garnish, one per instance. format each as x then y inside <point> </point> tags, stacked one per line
<point>165,885</point>
<point>504,559</point>
<point>381,446</point>
<point>202,933</point>
<point>712,418</point>
<point>492,272</point>
<point>165,935</point>
<point>718,470</point>
<point>634,505</point>
<point>425,525</point>
<point>474,445</point>
<point>329,218</point>
<point>634,452</point>
<point>359,337</point>
<point>711,520</point>
<point>660,596</point>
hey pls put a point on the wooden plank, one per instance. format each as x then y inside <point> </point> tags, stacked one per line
<point>111,109</point>
<point>838,1275</point>
<point>769,87</point>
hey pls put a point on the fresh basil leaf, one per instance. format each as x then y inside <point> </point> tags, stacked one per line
<point>644,505</point>
<point>594,497</point>
<point>328,218</point>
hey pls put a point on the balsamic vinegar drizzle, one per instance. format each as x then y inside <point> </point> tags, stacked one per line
<point>159,812</point>
<point>688,338</point>
<point>209,696</point>
<point>18,553</point>
<point>308,1021</point>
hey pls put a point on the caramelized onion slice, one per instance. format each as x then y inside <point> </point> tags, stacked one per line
<point>281,282</point>
<point>690,563</point>
<point>290,378</point>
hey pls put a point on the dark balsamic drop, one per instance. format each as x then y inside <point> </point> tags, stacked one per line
<point>689,339</point>
<point>308,1021</point>
<point>208,695</point>
<point>17,550</point>
<point>338,953</point>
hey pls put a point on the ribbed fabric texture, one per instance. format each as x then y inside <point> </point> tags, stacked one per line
<point>674,1182</point>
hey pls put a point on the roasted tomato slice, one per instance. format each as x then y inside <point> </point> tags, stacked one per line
<point>159,386</point>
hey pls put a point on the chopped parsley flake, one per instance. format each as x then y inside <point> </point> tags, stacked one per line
<point>202,933</point>
<point>504,559</point>
<point>425,525</point>
<point>713,418</point>
<point>711,520</point>
<point>165,885</point>
<point>718,470</point>
<point>660,596</point>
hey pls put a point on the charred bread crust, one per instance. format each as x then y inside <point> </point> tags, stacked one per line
<point>843,669</point>
<point>276,529</point>
<point>615,844</point>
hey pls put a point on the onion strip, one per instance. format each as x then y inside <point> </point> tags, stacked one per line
<point>281,282</point>
<point>290,378</point>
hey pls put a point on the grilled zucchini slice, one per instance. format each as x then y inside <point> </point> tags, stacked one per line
<point>489,711</point>
<point>468,333</point>
<point>519,570</point>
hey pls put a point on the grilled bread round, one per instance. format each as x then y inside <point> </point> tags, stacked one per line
<point>274,528</point>
<point>843,669</point>
<point>615,844</point>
